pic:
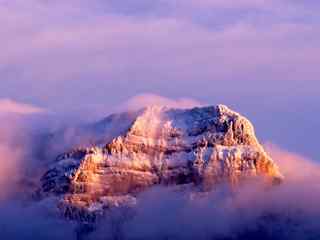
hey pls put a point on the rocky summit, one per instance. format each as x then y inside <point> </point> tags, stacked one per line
<point>199,147</point>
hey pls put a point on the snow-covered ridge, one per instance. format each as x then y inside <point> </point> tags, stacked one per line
<point>158,146</point>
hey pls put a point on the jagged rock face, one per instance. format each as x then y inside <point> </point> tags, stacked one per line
<point>161,146</point>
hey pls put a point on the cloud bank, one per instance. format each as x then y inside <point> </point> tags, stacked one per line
<point>183,48</point>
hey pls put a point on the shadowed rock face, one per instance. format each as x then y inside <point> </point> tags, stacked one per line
<point>200,147</point>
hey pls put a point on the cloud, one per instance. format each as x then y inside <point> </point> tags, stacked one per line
<point>10,106</point>
<point>9,168</point>
<point>294,166</point>
<point>162,47</point>
<point>149,99</point>
<point>11,154</point>
<point>21,141</point>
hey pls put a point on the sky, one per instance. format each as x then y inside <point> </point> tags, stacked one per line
<point>260,57</point>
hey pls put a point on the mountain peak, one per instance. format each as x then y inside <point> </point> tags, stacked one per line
<point>199,147</point>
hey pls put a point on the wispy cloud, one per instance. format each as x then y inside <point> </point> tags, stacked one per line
<point>149,99</point>
<point>295,167</point>
<point>10,106</point>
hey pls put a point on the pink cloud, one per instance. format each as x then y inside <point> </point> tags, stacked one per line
<point>294,167</point>
<point>10,163</point>
<point>149,99</point>
<point>10,106</point>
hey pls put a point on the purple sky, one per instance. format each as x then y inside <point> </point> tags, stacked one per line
<point>261,57</point>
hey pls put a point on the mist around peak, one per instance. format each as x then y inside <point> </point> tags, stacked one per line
<point>287,211</point>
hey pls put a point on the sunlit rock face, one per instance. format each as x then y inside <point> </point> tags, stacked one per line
<point>199,147</point>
